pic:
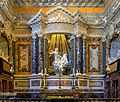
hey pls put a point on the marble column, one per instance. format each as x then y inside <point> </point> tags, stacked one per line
<point>46,53</point>
<point>71,56</point>
<point>104,56</point>
<point>84,55</point>
<point>39,57</point>
<point>74,70</point>
<point>34,54</point>
<point>78,54</point>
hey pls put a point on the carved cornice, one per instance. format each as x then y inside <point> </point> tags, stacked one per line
<point>80,28</point>
<point>23,39</point>
<point>60,23</point>
<point>67,3</point>
<point>59,28</point>
<point>39,18</point>
<point>94,38</point>
<point>110,14</point>
<point>78,17</point>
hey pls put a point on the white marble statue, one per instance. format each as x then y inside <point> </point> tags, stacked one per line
<point>62,62</point>
<point>59,62</point>
<point>56,55</point>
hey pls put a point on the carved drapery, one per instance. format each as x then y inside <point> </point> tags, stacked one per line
<point>34,55</point>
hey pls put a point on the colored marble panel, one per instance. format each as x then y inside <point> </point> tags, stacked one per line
<point>94,63</point>
<point>24,57</point>
<point>94,57</point>
<point>58,82</point>
<point>35,83</point>
<point>83,82</point>
<point>96,83</point>
<point>21,83</point>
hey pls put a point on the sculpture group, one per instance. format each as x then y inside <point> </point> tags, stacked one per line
<point>59,62</point>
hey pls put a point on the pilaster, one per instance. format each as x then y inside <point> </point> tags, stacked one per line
<point>13,53</point>
<point>104,55</point>
<point>10,48</point>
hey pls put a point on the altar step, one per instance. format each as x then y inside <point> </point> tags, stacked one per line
<point>58,100</point>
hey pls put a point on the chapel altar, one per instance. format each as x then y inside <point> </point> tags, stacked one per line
<point>63,57</point>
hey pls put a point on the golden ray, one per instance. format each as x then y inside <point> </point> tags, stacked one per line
<point>59,41</point>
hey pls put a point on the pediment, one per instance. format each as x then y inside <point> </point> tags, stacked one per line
<point>40,16</point>
<point>56,15</point>
<point>59,14</point>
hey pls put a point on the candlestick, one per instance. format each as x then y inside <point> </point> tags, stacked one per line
<point>45,71</point>
<point>73,71</point>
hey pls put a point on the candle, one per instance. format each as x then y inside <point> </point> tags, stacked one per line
<point>73,71</point>
<point>45,71</point>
